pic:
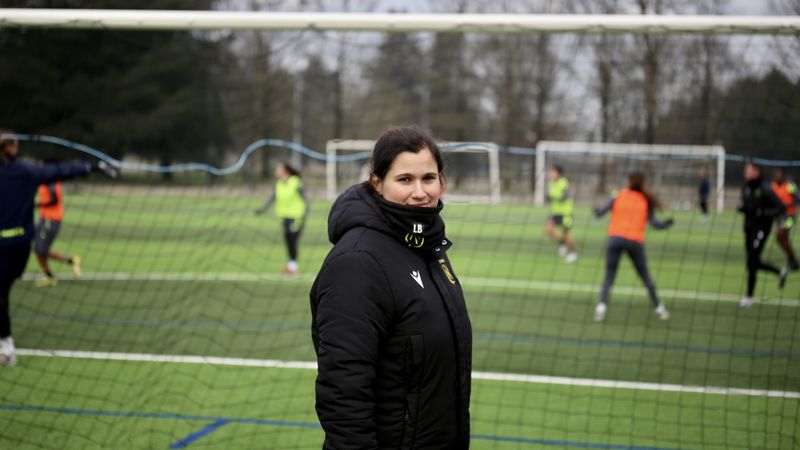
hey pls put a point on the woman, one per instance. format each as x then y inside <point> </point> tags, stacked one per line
<point>51,214</point>
<point>19,182</point>
<point>703,192</point>
<point>561,207</point>
<point>291,206</point>
<point>390,325</point>
<point>760,207</point>
<point>786,190</point>
<point>631,210</point>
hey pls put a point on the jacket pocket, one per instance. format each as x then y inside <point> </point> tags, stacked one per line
<point>413,370</point>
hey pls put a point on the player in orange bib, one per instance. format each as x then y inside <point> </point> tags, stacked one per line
<point>631,210</point>
<point>786,190</point>
<point>51,213</point>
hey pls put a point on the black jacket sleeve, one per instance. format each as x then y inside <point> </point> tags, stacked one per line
<point>50,173</point>
<point>602,210</point>
<point>655,222</point>
<point>352,317</point>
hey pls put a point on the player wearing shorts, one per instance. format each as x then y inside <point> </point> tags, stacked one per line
<point>51,213</point>
<point>18,185</point>
<point>561,214</point>
<point>786,190</point>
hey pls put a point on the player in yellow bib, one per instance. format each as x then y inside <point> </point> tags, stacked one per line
<point>291,206</point>
<point>561,213</point>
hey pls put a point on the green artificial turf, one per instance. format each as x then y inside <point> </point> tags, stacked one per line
<point>195,272</point>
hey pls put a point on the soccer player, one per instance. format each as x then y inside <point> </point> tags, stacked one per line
<point>703,193</point>
<point>561,209</point>
<point>51,213</point>
<point>786,190</point>
<point>760,206</point>
<point>18,184</point>
<point>292,207</point>
<point>631,210</point>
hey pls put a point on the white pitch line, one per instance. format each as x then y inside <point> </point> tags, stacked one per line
<point>505,283</point>
<point>508,377</point>
<point>614,384</point>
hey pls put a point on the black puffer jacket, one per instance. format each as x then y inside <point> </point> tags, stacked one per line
<point>392,336</point>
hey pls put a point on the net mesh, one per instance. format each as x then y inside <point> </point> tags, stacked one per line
<point>184,332</point>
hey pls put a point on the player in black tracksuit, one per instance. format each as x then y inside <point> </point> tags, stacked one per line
<point>390,329</point>
<point>760,206</point>
<point>19,182</point>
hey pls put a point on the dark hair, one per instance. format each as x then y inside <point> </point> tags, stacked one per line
<point>558,169</point>
<point>290,168</point>
<point>750,162</point>
<point>406,138</point>
<point>636,182</point>
<point>6,137</point>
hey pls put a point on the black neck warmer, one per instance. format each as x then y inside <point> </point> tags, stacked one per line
<point>420,228</point>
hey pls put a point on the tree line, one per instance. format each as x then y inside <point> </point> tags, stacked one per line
<point>171,96</point>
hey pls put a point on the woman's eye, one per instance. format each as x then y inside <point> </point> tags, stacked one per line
<point>404,179</point>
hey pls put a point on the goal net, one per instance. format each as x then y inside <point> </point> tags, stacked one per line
<point>189,327</point>
<point>473,168</point>
<point>674,170</point>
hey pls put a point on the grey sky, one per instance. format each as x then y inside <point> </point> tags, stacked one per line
<point>749,7</point>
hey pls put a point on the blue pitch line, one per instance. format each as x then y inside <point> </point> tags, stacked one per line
<point>218,422</point>
<point>564,443</point>
<point>283,326</point>
<point>210,428</point>
<point>639,345</point>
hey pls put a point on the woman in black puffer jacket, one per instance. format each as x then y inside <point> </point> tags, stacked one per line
<point>390,326</point>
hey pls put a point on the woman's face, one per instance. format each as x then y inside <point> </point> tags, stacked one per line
<point>11,148</point>
<point>751,172</point>
<point>413,179</point>
<point>281,172</point>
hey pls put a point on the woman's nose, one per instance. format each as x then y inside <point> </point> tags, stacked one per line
<point>418,191</point>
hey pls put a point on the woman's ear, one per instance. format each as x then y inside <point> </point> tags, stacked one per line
<point>376,183</point>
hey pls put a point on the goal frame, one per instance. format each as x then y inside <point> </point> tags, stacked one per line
<point>335,146</point>
<point>698,152</point>
<point>390,22</point>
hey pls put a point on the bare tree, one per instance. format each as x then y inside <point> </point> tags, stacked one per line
<point>651,49</point>
<point>713,51</point>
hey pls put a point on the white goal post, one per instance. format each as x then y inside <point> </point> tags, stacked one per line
<point>638,151</point>
<point>334,148</point>
<point>393,22</point>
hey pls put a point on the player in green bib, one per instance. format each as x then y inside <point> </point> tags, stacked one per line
<point>561,214</point>
<point>291,206</point>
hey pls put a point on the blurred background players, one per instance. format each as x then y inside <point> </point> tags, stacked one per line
<point>561,214</point>
<point>760,207</point>
<point>786,190</point>
<point>291,206</point>
<point>18,184</point>
<point>703,192</point>
<point>51,214</point>
<point>631,210</point>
